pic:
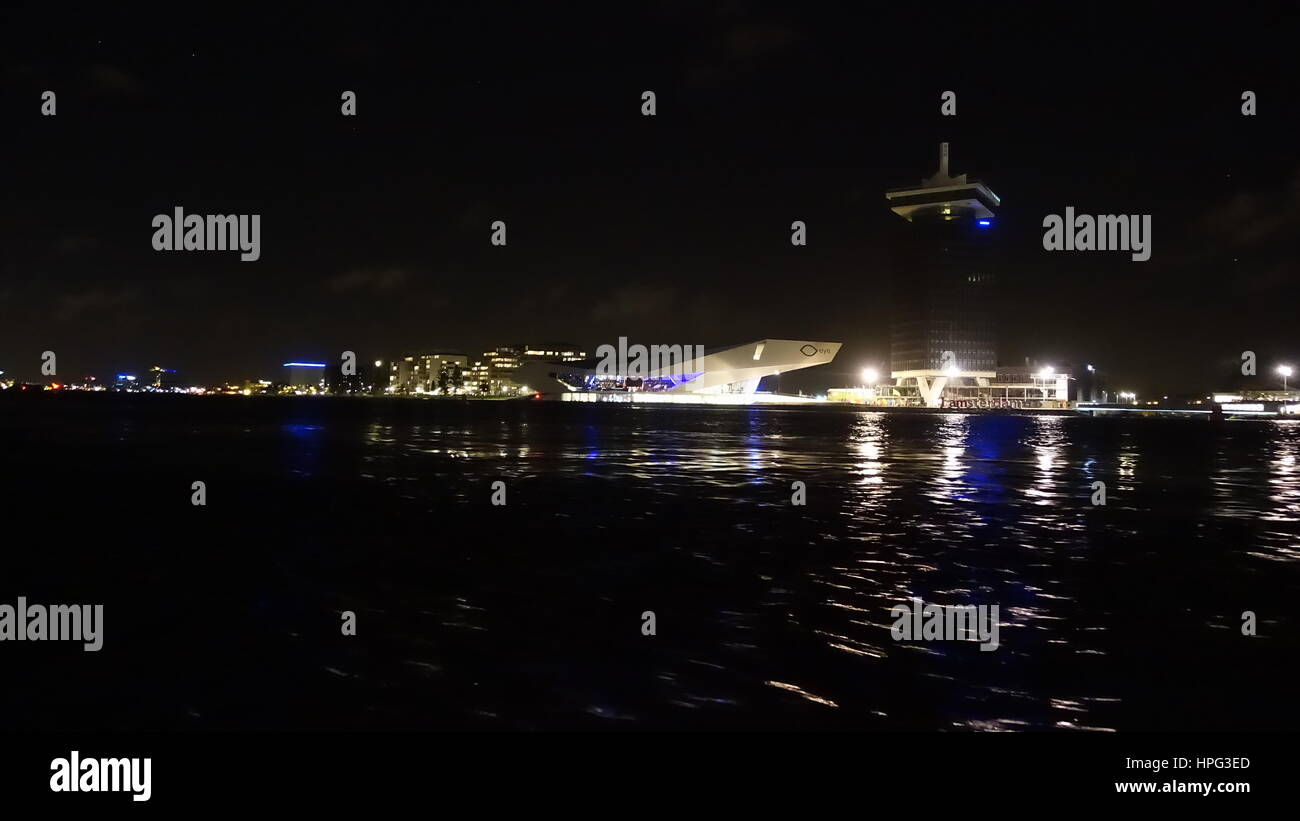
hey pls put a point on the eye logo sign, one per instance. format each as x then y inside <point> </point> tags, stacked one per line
<point>808,350</point>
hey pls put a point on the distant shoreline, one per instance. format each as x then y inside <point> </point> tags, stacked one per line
<point>14,394</point>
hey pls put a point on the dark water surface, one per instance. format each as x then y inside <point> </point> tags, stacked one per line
<point>529,616</point>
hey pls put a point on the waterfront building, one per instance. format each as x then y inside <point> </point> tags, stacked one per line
<point>1042,388</point>
<point>441,372</point>
<point>503,363</point>
<point>730,375</point>
<point>164,379</point>
<point>304,376</point>
<point>943,333</point>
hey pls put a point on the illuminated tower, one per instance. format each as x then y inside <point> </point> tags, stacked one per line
<point>943,332</point>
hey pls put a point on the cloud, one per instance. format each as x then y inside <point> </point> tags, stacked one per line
<point>739,49</point>
<point>71,307</point>
<point>633,301</point>
<point>1251,219</point>
<point>369,281</point>
<point>114,80</point>
<point>753,40</point>
<point>72,244</point>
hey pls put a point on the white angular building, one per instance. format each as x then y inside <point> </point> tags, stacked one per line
<point>678,373</point>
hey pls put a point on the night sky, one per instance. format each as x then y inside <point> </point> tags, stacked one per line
<point>666,229</point>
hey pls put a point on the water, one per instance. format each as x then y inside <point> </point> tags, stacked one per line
<point>768,615</point>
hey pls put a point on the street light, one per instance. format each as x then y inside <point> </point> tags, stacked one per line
<point>870,375</point>
<point>1285,370</point>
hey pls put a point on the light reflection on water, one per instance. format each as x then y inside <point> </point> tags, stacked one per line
<point>1115,617</point>
<point>774,607</point>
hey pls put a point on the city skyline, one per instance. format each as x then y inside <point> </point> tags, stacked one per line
<point>375,229</point>
<point>738,368</point>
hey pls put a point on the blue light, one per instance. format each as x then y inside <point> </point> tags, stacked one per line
<point>985,223</point>
<point>304,364</point>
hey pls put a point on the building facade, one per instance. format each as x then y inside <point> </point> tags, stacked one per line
<point>943,328</point>
<point>442,373</point>
<point>720,376</point>
<point>499,369</point>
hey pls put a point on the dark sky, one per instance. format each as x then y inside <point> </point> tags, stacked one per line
<point>671,229</point>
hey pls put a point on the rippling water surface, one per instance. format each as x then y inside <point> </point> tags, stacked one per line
<point>769,615</point>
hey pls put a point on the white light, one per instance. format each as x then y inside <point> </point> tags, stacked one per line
<point>1046,373</point>
<point>1285,370</point>
<point>870,375</point>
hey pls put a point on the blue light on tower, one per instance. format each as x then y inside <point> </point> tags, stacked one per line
<point>985,223</point>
